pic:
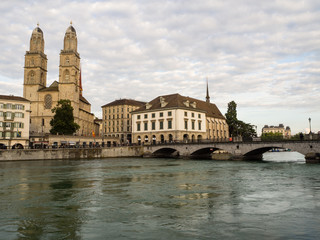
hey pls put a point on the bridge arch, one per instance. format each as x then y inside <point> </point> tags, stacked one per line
<point>166,152</point>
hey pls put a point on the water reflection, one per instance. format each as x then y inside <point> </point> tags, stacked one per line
<point>158,198</point>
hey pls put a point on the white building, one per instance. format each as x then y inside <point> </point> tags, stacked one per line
<point>177,118</point>
<point>14,121</point>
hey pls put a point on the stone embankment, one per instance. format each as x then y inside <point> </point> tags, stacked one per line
<point>70,153</point>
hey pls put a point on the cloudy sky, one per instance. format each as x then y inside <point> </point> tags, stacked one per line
<point>264,55</point>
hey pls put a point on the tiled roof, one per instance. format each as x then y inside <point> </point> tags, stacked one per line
<point>53,87</point>
<point>124,101</point>
<point>178,101</point>
<point>84,100</point>
<point>11,97</point>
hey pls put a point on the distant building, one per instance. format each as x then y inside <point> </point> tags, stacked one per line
<point>14,121</point>
<point>116,118</point>
<point>285,131</point>
<point>178,118</point>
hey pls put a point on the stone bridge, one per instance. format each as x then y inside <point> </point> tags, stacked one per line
<point>231,150</point>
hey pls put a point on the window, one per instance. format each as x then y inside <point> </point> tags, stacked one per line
<point>199,125</point>
<point>1,114</point>
<point>161,125</point>
<point>186,124</point>
<point>19,106</point>
<point>19,115</point>
<point>1,124</point>
<point>169,114</point>
<point>153,115</point>
<point>192,125</point>
<point>8,106</point>
<point>169,124</point>
<point>145,116</point>
<point>192,114</point>
<point>153,125</point>
<point>1,105</point>
<point>138,117</point>
<point>8,124</point>
<point>138,127</point>
<point>146,126</point>
<point>9,115</point>
<point>48,101</point>
<point>161,114</point>
<point>199,115</point>
<point>186,114</point>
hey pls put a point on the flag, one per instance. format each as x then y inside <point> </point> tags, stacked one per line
<point>80,83</point>
<point>93,134</point>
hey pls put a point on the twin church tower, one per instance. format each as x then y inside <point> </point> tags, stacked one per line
<point>69,86</point>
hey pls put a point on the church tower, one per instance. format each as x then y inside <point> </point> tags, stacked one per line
<point>69,70</point>
<point>35,66</point>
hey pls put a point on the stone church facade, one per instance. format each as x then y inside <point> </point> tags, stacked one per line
<point>69,86</point>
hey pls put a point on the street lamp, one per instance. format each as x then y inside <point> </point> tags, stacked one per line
<point>310,125</point>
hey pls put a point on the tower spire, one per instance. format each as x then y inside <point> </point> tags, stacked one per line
<point>207,97</point>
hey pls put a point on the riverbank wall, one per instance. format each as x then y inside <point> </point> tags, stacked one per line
<point>70,153</point>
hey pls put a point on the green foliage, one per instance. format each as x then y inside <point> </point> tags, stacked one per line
<point>237,127</point>
<point>271,136</point>
<point>63,120</point>
<point>298,136</point>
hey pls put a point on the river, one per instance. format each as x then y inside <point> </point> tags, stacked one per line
<point>139,198</point>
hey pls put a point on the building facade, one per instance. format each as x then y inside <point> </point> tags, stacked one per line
<point>176,118</point>
<point>285,131</point>
<point>14,122</point>
<point>69,86</point>
<point>116,117</point>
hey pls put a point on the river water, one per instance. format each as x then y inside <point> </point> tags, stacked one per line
<point>136,198</point>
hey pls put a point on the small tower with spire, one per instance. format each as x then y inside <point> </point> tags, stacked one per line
<point>35,66</point>
<point>207,97</point>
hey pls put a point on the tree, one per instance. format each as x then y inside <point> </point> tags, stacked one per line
<point>63,120</point>
<point>272,136</point>
<point>231,118</point>
<point>237,127</point>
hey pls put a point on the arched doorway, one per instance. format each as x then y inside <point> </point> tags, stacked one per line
<point>199,138</point>
<point>139,140</point>
<point>193,138</point>
<point>154,139</point>
<point>170,138</point>
<point>162,138</point>
<point>185,137</point>
<point>17,146</point>
<point>2,146</point>
<point>146,138</point>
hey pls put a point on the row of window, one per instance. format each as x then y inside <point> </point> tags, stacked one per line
<point>117,109</point>
<point>11,115</point>
<point>11,125</point>
<point>114,123</point>
<point>153,115</point>
<point>153,125</point>
<point>115,116</point>
<point>113,129</point>
<point>11,106</point>
<point>169,114</point>
<point>10,134</point>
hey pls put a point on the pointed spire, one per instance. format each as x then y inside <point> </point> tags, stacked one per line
<point>207,97</point>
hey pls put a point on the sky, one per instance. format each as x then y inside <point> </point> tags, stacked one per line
<point>264,55</point>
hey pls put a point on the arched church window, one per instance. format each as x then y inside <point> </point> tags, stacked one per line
<point>32,61</point>
<point>66,75</point>
<point>67,61</point>
<point>48,101</point>
<point>31,77</point>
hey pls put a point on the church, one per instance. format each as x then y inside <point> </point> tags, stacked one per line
<point>69,86</point>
